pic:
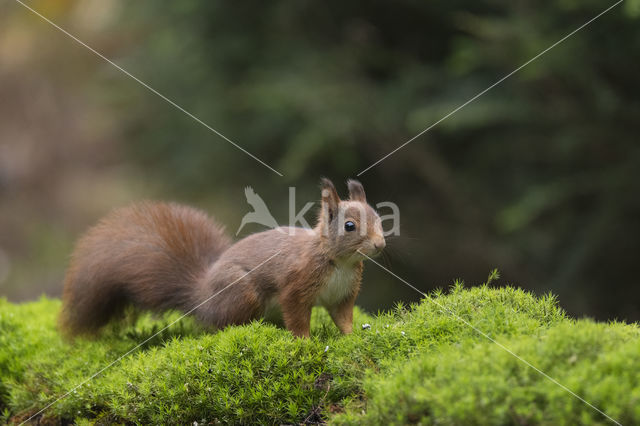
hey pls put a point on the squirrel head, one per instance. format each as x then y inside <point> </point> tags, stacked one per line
<point>349,226</point>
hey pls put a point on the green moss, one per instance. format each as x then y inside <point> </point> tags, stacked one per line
<point>481,383</point>
<point>414,364</point>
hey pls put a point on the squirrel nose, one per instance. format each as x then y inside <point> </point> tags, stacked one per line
<point>379,245</point>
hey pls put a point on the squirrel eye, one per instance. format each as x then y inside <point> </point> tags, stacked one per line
<point>349,226</point>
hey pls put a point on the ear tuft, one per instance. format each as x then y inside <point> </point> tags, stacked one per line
<point>330,198</point>
<point>326,183</point>
<point>356,191</point>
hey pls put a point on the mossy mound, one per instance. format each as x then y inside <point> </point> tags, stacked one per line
<point>416,364</point>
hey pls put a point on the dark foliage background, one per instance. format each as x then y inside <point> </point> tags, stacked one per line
<point>539,177</point>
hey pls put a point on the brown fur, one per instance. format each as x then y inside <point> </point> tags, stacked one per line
<point>160,256</point>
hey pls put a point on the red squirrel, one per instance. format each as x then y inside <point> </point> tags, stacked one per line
<point>159,256</point>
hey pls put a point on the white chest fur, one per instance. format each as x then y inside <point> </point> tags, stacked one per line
<point>337,286</point>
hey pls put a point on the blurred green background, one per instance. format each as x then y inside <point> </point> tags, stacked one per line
<point>540,177</point>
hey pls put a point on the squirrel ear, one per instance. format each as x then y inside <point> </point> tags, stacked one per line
<point>356,191</point>
<point>330,198</point>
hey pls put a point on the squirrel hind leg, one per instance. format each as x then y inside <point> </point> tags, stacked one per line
<point>238,304</point>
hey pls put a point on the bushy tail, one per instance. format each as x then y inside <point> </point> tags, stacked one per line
<point>149,255</point>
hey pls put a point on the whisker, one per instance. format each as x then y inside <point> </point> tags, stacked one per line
<point>396,251</point>
<point>387,259</point>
